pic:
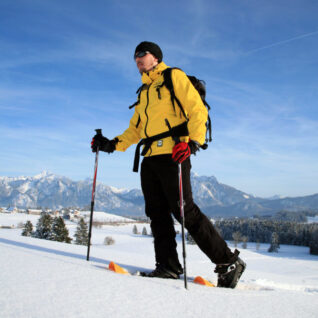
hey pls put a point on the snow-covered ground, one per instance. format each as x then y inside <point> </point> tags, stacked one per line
<point>42,278</point>
<point>104,217</point>
<point>16,219</point>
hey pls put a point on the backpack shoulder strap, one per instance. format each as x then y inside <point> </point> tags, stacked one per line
<point>139,90</point>
<point>167,81</point>
<point>167,78</point>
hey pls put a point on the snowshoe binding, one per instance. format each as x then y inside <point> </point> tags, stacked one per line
<point>229,274</point>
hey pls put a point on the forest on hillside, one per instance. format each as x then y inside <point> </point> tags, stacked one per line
<point>261,230</point>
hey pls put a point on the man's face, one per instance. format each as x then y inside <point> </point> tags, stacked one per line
<point>146,63</point>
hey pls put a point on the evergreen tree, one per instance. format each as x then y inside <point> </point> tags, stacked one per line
<point>44,227</point>
<point>28,229</point>
<point>81,234</point>
<point>59,231</point>
<point>274,243</point>
<point>135,230</point>
<point>144,231</point>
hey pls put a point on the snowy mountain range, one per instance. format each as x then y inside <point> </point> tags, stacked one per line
<point>213,197</point>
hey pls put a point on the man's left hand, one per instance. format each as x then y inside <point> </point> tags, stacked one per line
<point>183,150</point>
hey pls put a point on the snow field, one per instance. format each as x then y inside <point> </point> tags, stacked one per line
<point>42,278</point>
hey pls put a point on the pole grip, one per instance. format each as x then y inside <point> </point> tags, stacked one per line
<point>98,131</point>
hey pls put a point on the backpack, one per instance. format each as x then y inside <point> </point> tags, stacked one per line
<point>199,85</point>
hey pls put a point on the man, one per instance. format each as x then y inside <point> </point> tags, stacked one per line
<point>159,168</point>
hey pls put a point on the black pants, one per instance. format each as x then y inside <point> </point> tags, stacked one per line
<point>159,182</point>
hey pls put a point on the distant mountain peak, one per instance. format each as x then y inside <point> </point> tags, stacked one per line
<point>44,174</point>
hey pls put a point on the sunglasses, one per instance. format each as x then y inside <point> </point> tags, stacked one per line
<point>141,54</point>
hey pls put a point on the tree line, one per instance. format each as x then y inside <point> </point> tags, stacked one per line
<point>261,231</point>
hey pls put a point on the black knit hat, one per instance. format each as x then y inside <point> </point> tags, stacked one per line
<point>151,47</point>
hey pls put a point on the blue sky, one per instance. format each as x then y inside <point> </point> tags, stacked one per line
<point>66,68</point>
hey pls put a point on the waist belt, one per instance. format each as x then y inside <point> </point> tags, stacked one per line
<point>177,131</point>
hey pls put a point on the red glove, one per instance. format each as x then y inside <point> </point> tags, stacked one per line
<point>181,152</point>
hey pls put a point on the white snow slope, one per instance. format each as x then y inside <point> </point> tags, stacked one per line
<point>42,278</point>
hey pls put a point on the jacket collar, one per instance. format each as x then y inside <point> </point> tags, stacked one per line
<point>149,77</point>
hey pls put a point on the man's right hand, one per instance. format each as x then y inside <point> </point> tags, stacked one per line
<point>103,144</point>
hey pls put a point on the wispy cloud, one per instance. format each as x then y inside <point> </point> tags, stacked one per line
<point>299,37</point>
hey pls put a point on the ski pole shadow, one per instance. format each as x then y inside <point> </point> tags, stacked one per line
<point>50,250</point>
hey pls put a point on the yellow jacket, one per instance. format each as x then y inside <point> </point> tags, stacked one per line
<point>151,111</point>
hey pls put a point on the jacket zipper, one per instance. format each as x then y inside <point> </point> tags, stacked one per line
<point>147,115</point>
<point>146,111</point>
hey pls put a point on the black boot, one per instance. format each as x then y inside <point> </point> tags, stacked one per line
<point>161,271</point>
<point>229,274</point>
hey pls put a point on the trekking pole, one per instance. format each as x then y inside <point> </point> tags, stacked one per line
<point>98,132</point>
<point>181,205</point>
